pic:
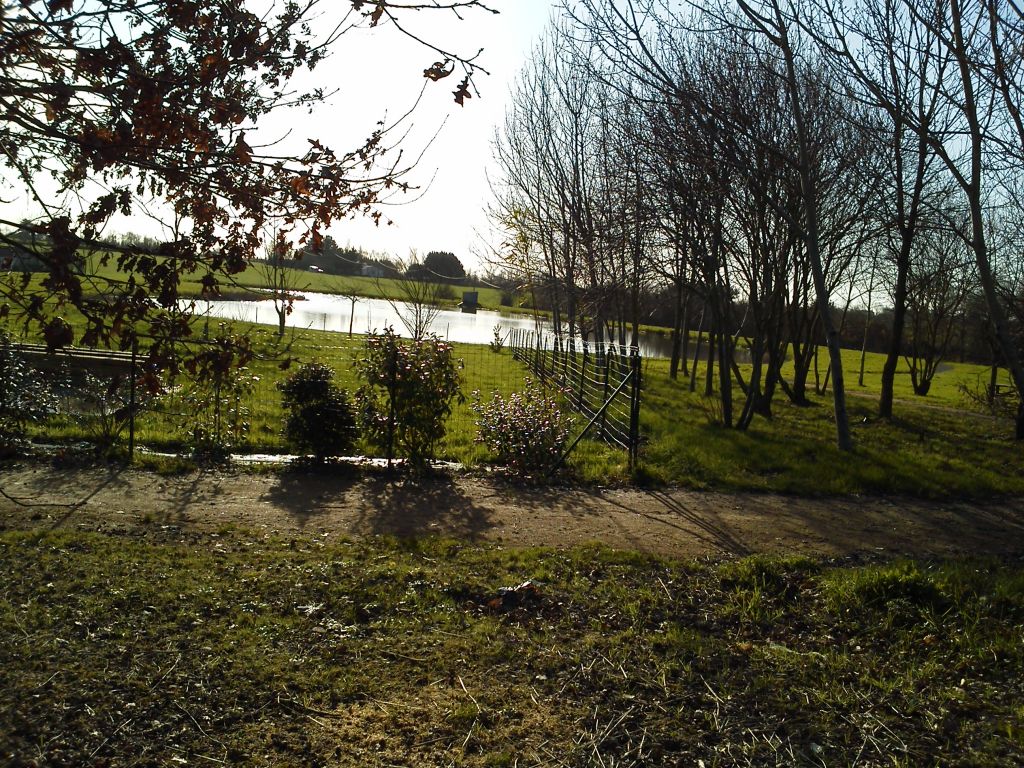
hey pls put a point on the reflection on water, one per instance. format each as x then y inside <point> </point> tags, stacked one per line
<point>326,312</point>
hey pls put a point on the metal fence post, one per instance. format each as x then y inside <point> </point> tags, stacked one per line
<point>583,375</point>
<point>131,401</point>
<point>540,358</point>
<point>392,386</point>
<point>634,410</point>
<point>604,394</point>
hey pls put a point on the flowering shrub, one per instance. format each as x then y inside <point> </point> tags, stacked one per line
<point>407,393</point>
<point>321,419</point>
<point>526,430</point>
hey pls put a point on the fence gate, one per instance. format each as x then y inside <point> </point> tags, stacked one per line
<point>601,382</point>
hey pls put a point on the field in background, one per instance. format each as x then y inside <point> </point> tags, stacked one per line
<point>245,283</point>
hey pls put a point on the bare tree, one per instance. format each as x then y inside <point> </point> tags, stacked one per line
<point>939,286</point>
<point>974,127</point>
<point>770,21</point>
<point>419,299</point>
<point>281,277</point>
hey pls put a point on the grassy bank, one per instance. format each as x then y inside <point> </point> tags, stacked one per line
<point>243,284</point>
<point>935,447</point>
<point>241,648</point>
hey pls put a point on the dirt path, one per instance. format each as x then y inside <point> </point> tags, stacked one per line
<point>673,522</point>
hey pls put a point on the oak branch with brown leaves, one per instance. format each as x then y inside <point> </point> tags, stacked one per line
<point>142,108</point>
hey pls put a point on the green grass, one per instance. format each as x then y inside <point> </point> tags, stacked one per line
<point>167,422</point>
<point>158,646</point>
<point>936,446</point>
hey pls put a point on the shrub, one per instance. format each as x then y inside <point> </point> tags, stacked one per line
<point>321,419</point>
<point>407,393</point>
<point>526,430</point>
<point>106,409</point>
<point>498,342</point>
<point>217,414</point>
<point>26,396</point>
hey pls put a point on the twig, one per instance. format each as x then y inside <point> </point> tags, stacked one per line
<point>201,730</point>
<point>478,709</point>
<point>165,674</point>
<point>104,742</point>
<point>47,680</point>
<point>306,710</point>
<point>665,588</point>
<point>468,735</point>
<point>397,655</point>
<point>211,759</point>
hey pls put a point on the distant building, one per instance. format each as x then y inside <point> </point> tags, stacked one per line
<point>17,260</point>
<point>372,270</point>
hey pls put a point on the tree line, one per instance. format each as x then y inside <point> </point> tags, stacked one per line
<point>765,173</point>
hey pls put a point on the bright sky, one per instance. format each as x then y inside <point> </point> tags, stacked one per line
<point>380,74</point>
<point>377,74</point>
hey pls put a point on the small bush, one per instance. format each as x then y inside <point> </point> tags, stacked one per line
<point>498,342</point>
<point>526,430</point>
<point>407,393</point>
<point>321,419</point>
<point>27,396</point>
<point>106,409</point>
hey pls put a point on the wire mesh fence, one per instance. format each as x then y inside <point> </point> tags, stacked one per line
<point>599,381</point>
<point>241,408</point>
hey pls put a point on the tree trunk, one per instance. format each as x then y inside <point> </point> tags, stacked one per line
<point>677,337</point>
<point>973,190</point>
<point>899,321</point>
<point>709,374</point>
<point>843,437</point>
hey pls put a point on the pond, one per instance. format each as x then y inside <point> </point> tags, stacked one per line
<point>328,312</point>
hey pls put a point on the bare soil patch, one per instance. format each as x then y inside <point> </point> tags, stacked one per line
<point>672,522</point>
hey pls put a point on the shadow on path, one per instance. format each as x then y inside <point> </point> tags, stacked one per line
<point>385,503</point>
<point>307,492</point>
<point>54,485</point>
<point>412,506</point>
<point>705,526</point>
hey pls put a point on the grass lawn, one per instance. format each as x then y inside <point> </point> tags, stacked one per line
<point>167,422</point>
<point>936,446</point>
<point>176,648</point>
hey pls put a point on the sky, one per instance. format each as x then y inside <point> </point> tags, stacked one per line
<point>379,75</point>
